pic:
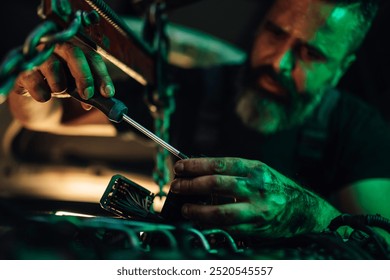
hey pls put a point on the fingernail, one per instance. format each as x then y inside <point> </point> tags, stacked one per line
<point>179,167</point>
<point>184,211</point>
<point>175,186</point>
<point>109,90</point>
<point>85,106</point>
<point>88,93</point>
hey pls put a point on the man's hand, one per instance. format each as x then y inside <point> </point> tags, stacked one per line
<point>266,203</point>
<point>84,66</point>
<point>69,68</point>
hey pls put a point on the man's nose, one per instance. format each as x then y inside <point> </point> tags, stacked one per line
<point>284,66</point>
<point>284,62</point>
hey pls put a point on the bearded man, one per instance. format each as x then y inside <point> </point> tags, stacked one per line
<point>292,150</point>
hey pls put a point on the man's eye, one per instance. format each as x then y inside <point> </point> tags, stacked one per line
<point>275,30</point>
<point>311,54</point>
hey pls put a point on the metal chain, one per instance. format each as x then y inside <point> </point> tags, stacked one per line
<point>161,174</point>
<point>166,96</point>
<point>29,56</point>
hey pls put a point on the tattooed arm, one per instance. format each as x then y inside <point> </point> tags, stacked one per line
<point>266,203</point>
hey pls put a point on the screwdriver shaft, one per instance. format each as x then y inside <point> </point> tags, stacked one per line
<point>154,137</point>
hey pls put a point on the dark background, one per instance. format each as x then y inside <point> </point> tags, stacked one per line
<point>233,21</point>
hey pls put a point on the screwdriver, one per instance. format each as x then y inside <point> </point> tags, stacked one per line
<point>116,111</point>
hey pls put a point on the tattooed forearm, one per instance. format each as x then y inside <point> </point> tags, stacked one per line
<point>304,211</point>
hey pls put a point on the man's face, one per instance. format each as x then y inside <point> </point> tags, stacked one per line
<point>301,49</point>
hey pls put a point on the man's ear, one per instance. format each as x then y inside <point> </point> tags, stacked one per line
<point>347,62</point>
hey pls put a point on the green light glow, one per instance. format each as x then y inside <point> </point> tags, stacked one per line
<point>339,13</point>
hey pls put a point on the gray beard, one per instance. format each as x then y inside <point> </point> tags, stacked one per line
<point>268,116</point>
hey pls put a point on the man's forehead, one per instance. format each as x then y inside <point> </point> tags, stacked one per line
<point>304,18</point>
<point>296,13</point>
<point>343,19</point>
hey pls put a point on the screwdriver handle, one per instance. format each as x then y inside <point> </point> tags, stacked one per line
<point>113,108</point>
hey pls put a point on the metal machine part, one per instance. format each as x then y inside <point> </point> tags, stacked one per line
<point>75,236</point>
<point>127,199</point>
